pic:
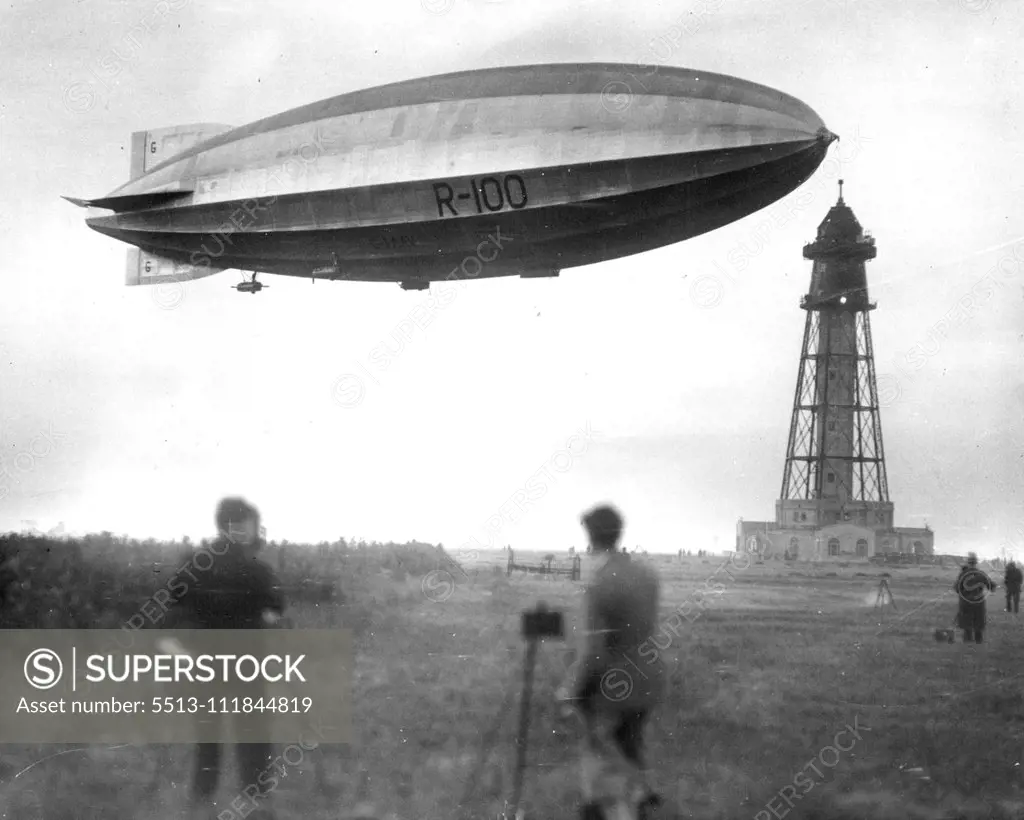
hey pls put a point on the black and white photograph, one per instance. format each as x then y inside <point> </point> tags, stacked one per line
<point>511,410</point>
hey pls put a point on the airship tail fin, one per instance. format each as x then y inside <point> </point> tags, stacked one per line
<point>150,148</point>
<point>145,268</point>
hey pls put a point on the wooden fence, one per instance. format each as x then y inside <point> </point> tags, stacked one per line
<point>572,572</point>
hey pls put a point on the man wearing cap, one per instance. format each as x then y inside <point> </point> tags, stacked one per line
<point>612,685</point>
<point>972,586</point>
<point>237,591</point>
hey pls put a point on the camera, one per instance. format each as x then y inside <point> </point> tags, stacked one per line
<point>542,623</point>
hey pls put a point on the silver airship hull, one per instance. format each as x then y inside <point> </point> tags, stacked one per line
<point>512,171</point>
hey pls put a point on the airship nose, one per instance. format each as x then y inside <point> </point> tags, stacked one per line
<point>826,136</point>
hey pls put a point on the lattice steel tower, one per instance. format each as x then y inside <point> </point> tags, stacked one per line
<point>835,462</point>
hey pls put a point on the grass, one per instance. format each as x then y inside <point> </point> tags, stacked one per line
<point>775,666</point>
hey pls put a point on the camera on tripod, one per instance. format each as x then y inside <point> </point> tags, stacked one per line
<point>542,622</point>
<point>539,622</point>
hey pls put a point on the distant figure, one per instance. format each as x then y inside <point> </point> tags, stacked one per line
<point>237,592</point>
<point>1012,580</point>
<point>614,686</point>
<point>971,586</point>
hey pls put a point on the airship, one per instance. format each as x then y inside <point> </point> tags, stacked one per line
<point>515,171</point>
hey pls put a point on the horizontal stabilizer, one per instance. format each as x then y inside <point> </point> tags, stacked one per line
<point>146,268</point>
<point>131,202</point>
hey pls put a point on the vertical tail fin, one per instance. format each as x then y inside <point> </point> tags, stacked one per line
<point>144,268</point>
<point>150,148</point>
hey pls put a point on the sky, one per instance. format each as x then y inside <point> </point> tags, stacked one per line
<point>662,382</point>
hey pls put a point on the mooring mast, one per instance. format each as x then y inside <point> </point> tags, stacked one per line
<point>835,461</point>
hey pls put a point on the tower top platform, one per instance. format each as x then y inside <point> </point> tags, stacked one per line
<point>840,234</point>
<point>838,278</point>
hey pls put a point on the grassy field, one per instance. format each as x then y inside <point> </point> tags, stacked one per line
<point>765,681</point>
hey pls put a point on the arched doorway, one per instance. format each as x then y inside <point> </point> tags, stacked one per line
<point>862,547</point>
<point>833,546</point>
<point>918,548</point>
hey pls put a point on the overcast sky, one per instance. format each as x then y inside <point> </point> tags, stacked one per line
<point>134,410</point>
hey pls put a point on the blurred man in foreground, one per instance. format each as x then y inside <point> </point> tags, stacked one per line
<point>8,575</point>
<point>238,591</point>
<point>971,586</point>
<point>1012,580</point>
<point>612,685</point>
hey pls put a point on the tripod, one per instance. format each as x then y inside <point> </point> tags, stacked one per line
<point>883,593</point>
<point>536,624</point>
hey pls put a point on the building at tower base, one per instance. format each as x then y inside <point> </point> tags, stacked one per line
<point>835,502</point>
<point>836,542</point>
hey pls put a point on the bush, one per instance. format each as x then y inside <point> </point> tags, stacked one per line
<point>99,581</point>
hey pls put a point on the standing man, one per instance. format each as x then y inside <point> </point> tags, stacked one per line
<point>1012,580</point>
<point>971,587</point>
<point>615,687</point>
<point>238,591</point>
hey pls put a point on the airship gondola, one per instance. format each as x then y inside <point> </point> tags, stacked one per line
<point>521,171</point>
